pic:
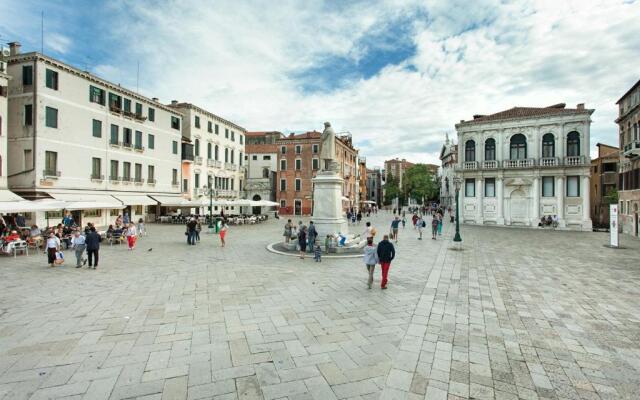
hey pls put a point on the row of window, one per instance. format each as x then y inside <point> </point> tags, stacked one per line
<point>315,164</point>
<point>298,149</point>
<point>218,182</point>
<point>216,130</point>
<point>213,150</point>
<point>297,184</point>
<point>548,187</point>
<point>518,147</point>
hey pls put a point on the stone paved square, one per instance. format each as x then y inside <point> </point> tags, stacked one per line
<point>515,315</point>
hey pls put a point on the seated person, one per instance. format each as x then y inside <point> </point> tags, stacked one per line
<point>554,221</point>
<point>25,234</point>
<point>341,239</point>
<point>110,231</point>
<point>12,237</point>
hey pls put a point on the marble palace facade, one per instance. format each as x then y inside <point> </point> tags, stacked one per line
<point>524,163</point>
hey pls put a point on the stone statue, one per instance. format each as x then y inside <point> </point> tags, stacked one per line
<point>328,148</point>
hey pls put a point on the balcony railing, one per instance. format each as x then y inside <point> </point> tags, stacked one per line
<point>198,160</point>
<point>138,181</point>
<point>115,143</point>
<point>140,117</point>
<point>175,183</point>
<point>97,177</point>
<point>49,173</point>
<point>127,145</point>
<point>469,165</point>
<point>230,167</point>
<point>114,178</point>
<point>526,163</point>
<point>115,109</point>
<point>489,164</point>
<point>197,192</point>
<point>126,179</point>
<point>574,160</point>
<point>549,162</point>
<point>631,149</point>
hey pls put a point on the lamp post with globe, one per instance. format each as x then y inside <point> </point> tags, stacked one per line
<point>457,182</point>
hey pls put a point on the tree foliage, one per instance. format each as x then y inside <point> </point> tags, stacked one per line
<point>420,184</point>
<point>391,189</point>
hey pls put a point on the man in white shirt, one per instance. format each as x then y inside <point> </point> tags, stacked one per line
<point>79,245</point>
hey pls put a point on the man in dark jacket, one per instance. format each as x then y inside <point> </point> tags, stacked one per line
<point>312,234</point>
<point>386,254</point>
<point>92,242</point>
<point>191,231</point>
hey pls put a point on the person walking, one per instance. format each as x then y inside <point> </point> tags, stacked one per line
<point>141,228</point>
<point>288,227</point>
<point>92,241</point>
<point>312,234</point>
<point>191,232</point>
<point>386,253</point>
<point>223,232</point>
<point>132,235</point>
<point>79,245</point>
<point>395,224</point>
<point>434,226</point>
<point>198,229</point>
<point>53,246</point>
<point>302,241</point>
<point>370,260</point>
<point>125,219</point>
<point>369,231</point>
<point>440,220</point>
<point>420,226</point>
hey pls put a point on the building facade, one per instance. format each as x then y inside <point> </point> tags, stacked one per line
<point>79,138</point>
<point>362,182</point>
<point>374,185</point>
<point>261,161</point>
<point>629,180</point>
<point>4,110</point>
<point>396,168</point>
<point>298,163</point>
<point>604,183</point>
<point>524,163</point>
<point>218,155</point>
<point>449,159</point>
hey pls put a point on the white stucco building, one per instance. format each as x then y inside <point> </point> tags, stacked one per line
<point>523,163</point>
<point>92,143</point>
<point>218,152</point>
<point>4,82</point>
<point>261,162</point>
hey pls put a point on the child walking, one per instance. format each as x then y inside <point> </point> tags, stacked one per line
<point>317,253</point>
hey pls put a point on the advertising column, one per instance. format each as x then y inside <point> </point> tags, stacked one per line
<point>613,224</point>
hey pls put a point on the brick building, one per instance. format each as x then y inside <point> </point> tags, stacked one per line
<point>629,180</point>
<point>298,163</point>
<point>604,181</point>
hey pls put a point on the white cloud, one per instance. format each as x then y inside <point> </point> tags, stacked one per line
<point>241,60</point>
<point>57,42</point>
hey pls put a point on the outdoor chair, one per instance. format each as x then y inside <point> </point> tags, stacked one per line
<point>20,246</point>
<point>117,238</point>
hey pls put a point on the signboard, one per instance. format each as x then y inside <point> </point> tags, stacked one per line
<point>613,224</point>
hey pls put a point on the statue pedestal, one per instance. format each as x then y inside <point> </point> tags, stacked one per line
<point>327,205</point>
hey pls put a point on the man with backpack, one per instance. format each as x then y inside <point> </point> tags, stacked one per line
<point>386,253</point>
<point>420,224</point>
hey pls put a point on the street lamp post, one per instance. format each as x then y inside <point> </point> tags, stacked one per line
<point>457,181</point>
<point>210,202</point>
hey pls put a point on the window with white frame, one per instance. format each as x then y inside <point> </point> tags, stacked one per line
<point>283,165</point>
<point>298,184</point>
<point>298,164</point>
<point>470,187</point>
<point>573,186</point>
<point>490,187</point>
<point>548,187</point>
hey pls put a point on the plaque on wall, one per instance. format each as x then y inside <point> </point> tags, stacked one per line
<point>573,210</point>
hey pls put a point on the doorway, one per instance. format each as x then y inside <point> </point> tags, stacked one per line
<point>256,210</point>
<point>519,207</point>
<point>297,207</point>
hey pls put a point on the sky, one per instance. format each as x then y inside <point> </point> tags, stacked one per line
<point>396,74</point>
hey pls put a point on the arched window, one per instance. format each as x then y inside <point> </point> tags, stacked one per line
<point>216,153</point>
<point>518,147</point>
<point>197,147</point>
<point>548,146</point>
<point>209,150</point>
<point>490,150</point>
<point>265,172</point>
<point>470,150</point>
<point>573,144</point>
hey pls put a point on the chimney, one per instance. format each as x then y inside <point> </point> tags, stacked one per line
<point>476,116</point>
<point>155,99</point>
<point>580,106</point>
<point>174,102</point>
<point>14,48</point>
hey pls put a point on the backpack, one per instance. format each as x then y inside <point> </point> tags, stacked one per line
<point>373,231</point>
<point>424,224</point>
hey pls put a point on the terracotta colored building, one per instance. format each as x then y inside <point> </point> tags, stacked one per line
<point>362,182</point>
<point>604,180</point>
<point>298,163</point>
<point>396,168</point>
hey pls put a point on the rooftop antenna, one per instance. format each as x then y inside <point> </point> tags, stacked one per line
<point>42,32</point>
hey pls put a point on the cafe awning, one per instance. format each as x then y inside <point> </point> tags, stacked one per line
<point>83,201</point>
<point>135,200</point>
<point>172,201</point>
<point>9,207</point>
<point>8,195</point>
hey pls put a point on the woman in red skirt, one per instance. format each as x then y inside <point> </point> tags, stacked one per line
<point>223,231</point>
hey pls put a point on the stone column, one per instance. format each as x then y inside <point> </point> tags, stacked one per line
<point>586,205</point>
<point>500,196</point>
<point>480,199</point>
<point>560,196</point>
<point>535,193</point>
<point>560,146</point>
